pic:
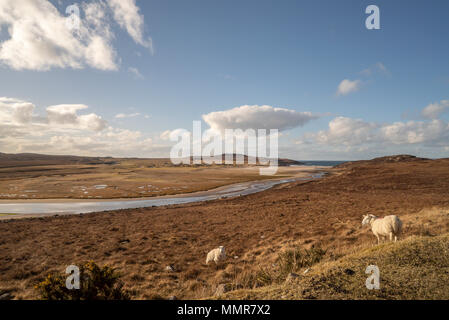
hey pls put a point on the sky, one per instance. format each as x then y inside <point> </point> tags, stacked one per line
<point>134,71</point>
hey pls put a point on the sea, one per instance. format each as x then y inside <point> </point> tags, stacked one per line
<point>321,162</point>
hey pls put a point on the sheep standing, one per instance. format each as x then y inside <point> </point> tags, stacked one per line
<point>389,226</point>
<point>216,255</point>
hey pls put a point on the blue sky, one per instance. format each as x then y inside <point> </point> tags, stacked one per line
<point>218,55</point>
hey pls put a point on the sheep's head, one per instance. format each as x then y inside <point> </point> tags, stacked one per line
<point>367,219</point>
<point>222,249</point>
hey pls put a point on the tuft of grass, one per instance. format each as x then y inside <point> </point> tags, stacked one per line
<point>295,259</point>
<point>288,261</point>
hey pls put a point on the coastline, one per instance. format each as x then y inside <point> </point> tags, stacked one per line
<point>15,209</point>
<point>305,170</point>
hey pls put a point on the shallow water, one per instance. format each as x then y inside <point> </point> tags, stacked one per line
<point>83,206</point>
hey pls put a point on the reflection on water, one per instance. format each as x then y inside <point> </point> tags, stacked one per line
<point>86,206</point>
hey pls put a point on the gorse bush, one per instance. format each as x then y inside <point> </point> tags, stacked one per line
<point>96,283</point>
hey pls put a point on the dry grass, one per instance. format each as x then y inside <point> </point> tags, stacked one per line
<point>140,243</point>
<point>415,268</point>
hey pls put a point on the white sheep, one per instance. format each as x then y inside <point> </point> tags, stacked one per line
<point>216,255</point>
<point>389,226</point>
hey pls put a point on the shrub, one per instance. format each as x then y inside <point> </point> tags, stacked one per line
<point>96,283</point>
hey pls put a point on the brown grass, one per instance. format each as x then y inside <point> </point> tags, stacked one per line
<point>140,243</point>
<point>415,268</point>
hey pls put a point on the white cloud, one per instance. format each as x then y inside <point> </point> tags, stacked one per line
<point>167,134</point>
<point>412,132</point>
<point>126,115</point>
<point>59,117</point>
<point>127,15</point>
<point>14,111</point>
<point>347,86</point>
<point>66,115</point>
<point>136,73</point>
<point>434,110</point>
<point>64,131</point>
<point>40,39</point>
<point>343,131</point>
<point>379,67</point>
<point>257,117</point>
<point>346,131</point>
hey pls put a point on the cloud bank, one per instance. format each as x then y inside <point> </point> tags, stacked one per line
<point>40,37</point>
<point>257,117</point>
<point>63,130</point>
<point>354,137</point>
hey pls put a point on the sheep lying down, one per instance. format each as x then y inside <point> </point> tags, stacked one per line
<point>388,226</point>
<point>216,255</point>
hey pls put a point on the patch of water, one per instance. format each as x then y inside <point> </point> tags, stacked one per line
<point>240,189</point>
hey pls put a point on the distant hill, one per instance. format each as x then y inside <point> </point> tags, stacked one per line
<point>34,159</point>
<point>8,160</point>
<point>386,159</point>
<point>283,162</point>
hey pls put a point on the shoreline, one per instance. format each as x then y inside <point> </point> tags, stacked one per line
<point>309,170</point>
<point>20,209</point>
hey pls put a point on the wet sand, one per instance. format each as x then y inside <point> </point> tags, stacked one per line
<point>42,207</point>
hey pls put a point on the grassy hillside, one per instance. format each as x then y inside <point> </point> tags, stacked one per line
<point>257,230</point>
<point>415,268</point>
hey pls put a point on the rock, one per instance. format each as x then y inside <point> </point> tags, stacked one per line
<point>172,298</point>
<point>291,276</point>
<point>6,296</point>
<point>306,271</point>
<point>169,268</point>
<point>222,289</point>
<point>236,257</point>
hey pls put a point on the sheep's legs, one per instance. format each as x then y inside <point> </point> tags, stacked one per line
<point>378,239</point>
<point>391,236</point>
